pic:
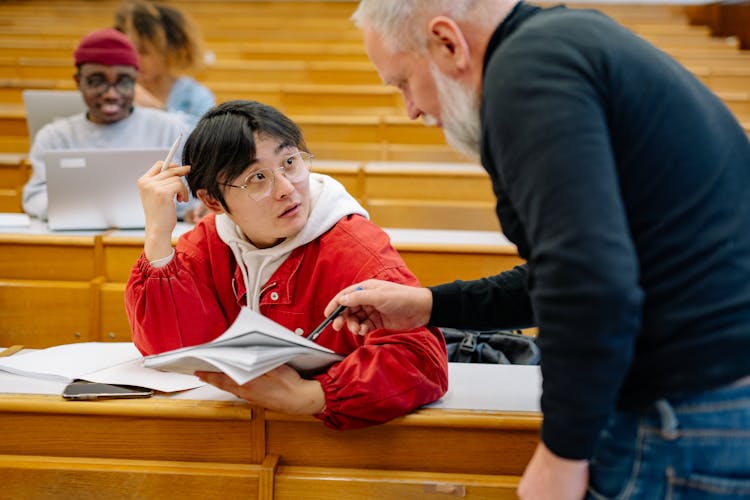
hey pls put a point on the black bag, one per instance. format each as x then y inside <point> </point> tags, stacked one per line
<point>503,347</point>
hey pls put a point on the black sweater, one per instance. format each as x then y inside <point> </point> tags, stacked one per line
<point>625,183</point>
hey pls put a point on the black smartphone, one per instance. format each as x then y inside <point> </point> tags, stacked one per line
<point>81,390</point>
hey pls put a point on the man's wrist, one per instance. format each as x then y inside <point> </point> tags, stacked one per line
<point>426,306</point>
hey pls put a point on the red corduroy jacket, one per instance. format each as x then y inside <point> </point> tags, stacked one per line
<point>199,293</point>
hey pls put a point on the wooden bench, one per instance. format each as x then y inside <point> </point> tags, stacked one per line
<point>698,58</point>
<point>729,72</point>
<point>738,103</point>
<point>30,48</point>
<point>335,99</point>
<point>723,19</point>
<point>11,89</point>
<point>317,129</point>
<point>183,448</point>
<point>48,288</point>
<point>14,172</point>
<point>290,50</point>
<point>730,79</point>
<point>368,151</point>
<point>429,196</point>
<point>270,32</point>
<point>289,71</point>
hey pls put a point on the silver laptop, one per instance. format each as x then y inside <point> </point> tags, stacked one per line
<point>97,189</point>
<point>44,106</point>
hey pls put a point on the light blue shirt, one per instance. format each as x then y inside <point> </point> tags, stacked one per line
<point>189,99</point>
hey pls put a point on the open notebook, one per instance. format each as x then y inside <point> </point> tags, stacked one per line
<point>44,106</point>
<point>97,189</point>
<point>250,347</point>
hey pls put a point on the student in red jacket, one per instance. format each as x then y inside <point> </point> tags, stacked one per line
<point>282,241</point>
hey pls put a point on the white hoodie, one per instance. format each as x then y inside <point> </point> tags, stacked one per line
<point>329,203</point>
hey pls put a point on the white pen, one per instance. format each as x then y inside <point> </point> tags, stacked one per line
<point>171,153</point>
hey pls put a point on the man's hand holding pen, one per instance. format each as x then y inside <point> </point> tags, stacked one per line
<point>329,319</point>
<point>376,304</point>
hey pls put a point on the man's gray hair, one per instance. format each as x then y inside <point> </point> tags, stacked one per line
<point>401,23</point>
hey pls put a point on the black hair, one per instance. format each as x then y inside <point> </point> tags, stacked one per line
<point>222,145</point>
<point>160,28</point>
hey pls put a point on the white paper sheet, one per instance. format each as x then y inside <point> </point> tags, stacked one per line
<point>14,220</point>
<point>113,363</point>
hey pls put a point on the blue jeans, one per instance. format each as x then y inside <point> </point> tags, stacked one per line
<point>682,449</point>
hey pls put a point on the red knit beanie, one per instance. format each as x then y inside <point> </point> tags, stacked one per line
<point>106,46</point>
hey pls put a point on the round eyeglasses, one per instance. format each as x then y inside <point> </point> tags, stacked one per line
<point>259,183</point>
<point>99,85</point>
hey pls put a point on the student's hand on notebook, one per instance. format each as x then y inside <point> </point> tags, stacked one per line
<point>282,389</point>
<point>158,190</point>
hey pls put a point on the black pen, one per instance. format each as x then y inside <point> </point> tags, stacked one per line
<point>326,322</point>
<point>335,314</point>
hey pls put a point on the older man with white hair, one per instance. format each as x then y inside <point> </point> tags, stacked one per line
<point>624,183</point>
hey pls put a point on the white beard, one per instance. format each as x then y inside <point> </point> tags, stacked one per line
<point>459,113</point>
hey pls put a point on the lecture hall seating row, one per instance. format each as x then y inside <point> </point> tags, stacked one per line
<point>79,279</point>
<point>347,101</point>
<point>396,194</point>
<point>268,22</point>
<point>234,78</point>
<point>59,288</point>
<point>322,70</point>
<point>320,67</point>
<point>723,19</point>
<point>36,51</point>
<point>662,29</point>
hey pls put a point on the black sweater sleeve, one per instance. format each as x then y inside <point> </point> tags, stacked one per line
<point>495,302</point>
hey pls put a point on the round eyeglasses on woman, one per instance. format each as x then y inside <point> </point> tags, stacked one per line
<point>259,183</point>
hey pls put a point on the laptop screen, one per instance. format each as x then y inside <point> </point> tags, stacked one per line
<point>97,189</point>
<point>45,106</point>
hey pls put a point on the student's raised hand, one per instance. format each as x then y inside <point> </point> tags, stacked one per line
<point>281,389</point>
<point>374,304</point>
<point>158,190</point>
